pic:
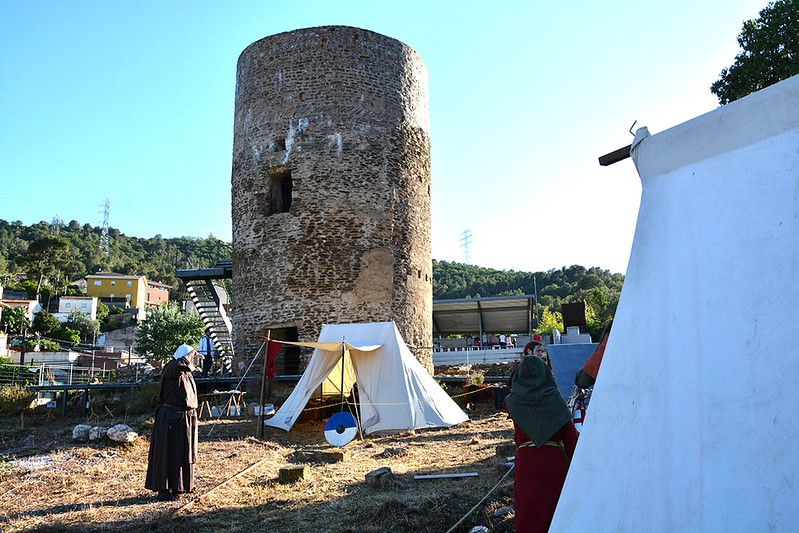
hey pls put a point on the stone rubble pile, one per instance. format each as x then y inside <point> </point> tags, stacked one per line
<point>118,433</point>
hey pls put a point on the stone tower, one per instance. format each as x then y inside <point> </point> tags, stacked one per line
<point>331,189</point>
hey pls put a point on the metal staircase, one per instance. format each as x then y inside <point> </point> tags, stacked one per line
<point>199,284</point>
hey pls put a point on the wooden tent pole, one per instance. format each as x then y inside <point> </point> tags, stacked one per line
<point>343,356</point>
<point>263,386</point>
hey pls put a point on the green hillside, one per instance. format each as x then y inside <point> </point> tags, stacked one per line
<point>67,252</point>
<point>78,253</point>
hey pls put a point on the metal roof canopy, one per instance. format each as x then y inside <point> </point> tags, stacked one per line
<point>221,270</point>
<point>498,314</point>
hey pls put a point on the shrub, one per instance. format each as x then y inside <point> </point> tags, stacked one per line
<point>144,401</point>
<point>49,346</point>
<point>67,335</point>
<point>477,379</point>
<point>16,400</point>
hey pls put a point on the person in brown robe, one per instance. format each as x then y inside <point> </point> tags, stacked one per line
<point>173,445</point>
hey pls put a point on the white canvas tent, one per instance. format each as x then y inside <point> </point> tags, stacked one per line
<point>395,391</point>
<point>693,420</point>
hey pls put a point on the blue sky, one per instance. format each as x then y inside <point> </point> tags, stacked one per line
<point>133,102</point>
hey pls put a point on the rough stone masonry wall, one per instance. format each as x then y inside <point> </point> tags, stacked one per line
<point>345,111</point>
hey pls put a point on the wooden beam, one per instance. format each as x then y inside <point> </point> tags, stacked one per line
<point>615,156</point>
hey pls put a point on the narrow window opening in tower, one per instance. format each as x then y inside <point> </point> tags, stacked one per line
<point>280,187</point>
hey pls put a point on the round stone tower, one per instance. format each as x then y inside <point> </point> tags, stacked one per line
<point>331,189</point>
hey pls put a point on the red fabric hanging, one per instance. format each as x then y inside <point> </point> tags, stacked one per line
<point>272,348</point>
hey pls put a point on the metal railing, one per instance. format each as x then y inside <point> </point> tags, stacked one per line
<point>467,355</point>
<point>42,374</point>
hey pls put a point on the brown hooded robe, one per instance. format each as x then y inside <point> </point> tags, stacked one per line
<point>173,445</point>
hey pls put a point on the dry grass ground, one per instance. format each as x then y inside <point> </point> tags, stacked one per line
<point>101,487</point>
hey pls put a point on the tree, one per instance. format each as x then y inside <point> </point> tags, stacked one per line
<point>84,325</point>
<point>601,312</point>
<point>164,329</point>
<point>550,320</point>
<point>102,311</point>
<point>770,52</point>
<point>44,322</point>
<point>14,319</point>
<point>45,255</point>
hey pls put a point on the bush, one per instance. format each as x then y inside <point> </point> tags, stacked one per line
<point>43,344</point>
<point>476,379</point>
<point>16,400</point>
<point>8,369</point>
<point>49,346</point>
<point>67,335</point>
<point>102,312</point>
<point>144,401</point>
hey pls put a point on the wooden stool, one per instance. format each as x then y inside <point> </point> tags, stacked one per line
<point>234,404</point>
<point>206,401</point>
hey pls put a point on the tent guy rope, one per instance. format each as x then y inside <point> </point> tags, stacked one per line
<point>238,385</point>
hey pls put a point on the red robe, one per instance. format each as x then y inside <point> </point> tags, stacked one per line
<point>173,445</point>
<point>538,478</point>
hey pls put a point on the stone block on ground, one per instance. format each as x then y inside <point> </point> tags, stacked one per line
<point>122,433</point>
<point>336,455</point>
<point>379,476</point>
<point>293,474</point>
<point>393,452</point>
<point>97,433</point>
<point>81,432</point>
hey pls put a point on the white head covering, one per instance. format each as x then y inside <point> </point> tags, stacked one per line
<point>183,349</point>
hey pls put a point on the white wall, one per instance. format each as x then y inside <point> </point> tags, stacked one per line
<point>43,357</point>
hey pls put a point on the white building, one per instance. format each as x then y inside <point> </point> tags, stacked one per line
<point>85,305</point>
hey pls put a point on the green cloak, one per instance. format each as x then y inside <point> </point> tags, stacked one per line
<point>534,402</point>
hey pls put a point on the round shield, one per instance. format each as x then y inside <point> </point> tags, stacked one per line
<point>340,429</point>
